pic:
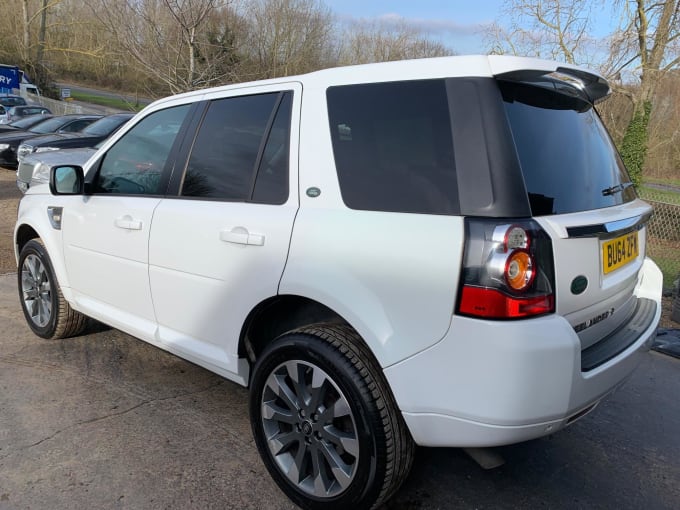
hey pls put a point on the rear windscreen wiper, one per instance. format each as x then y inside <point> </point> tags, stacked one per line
<point>616,189</point>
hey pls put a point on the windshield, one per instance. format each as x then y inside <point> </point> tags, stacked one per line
<point>50,126</point>
<point>28,121</point>
<point>568,160</point>
<point>12,101</point>
<point>104,126</point>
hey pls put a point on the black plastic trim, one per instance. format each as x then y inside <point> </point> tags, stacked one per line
<point>603,229</point>
<point>183,143</point>
<point>490,180</point>
<point>622,338</point>
<point>263,144</point>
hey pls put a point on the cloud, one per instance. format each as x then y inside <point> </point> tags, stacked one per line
<point>434,26</point>
<point>440,27</point>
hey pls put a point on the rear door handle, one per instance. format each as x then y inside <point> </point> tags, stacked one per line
<point>128,222</point>
<point>240,235</point>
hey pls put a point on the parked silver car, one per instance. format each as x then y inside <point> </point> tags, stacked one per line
<point>35,169</point>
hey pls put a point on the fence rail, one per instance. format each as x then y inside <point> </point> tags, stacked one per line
<point>65,107</point>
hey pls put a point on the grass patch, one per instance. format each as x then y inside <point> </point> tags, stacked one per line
<point>666,254</point>
<point>659,195</point>
<point>111,102</point>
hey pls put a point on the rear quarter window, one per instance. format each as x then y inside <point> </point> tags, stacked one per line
<point>393,146</point>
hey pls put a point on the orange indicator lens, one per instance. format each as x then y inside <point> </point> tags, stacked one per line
<point>519,270</point>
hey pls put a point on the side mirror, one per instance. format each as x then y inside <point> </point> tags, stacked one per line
<point>66,180</point>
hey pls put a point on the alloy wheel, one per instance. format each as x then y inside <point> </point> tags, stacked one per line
<point>36,290</point>
<point>310,429</point>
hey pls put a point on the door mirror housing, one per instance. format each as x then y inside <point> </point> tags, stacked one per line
<point>66,180</point>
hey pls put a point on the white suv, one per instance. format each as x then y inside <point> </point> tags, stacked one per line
<point>442,252</point>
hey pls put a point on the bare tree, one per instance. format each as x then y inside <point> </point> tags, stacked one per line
<point>379,41</point>
<point>190,15</point>
<point>646,47</point>
<point>169,40</point>
<point>32,53</point>
<point>285,37</point>
<point>555,29</point>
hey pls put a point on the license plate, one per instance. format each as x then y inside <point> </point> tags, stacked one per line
<point>618,252</point>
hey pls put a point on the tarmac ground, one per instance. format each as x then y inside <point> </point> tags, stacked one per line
<point>105,421</point>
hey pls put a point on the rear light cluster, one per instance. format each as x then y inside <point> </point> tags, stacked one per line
<point>508,270</point>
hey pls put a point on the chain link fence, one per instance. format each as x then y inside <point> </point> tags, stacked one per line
<point>663,242</point>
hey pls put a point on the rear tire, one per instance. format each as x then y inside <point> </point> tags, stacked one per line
<point>47,312</point>
<point>325,422</point>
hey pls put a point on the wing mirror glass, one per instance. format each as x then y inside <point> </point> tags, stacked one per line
<point>66,180</point>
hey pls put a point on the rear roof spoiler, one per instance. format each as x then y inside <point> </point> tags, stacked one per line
<point>567,79</point>
<point>591,87</point>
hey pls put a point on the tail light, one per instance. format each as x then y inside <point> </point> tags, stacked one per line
<point>508,270</point>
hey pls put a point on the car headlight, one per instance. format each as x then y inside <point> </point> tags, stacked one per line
<point>41,173</point>
<point>4,146</point>
<point>45,149</point>
<point>24,150</point>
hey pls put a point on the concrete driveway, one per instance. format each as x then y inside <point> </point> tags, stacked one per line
<point>104,421</point>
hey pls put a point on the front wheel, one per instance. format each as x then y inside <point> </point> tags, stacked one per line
<point>47,312</point>
<point>325,422</point>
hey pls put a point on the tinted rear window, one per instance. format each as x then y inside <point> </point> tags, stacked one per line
<point>393,146</point>
<point>567,157</point>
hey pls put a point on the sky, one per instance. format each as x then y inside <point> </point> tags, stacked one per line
<point>457,24</point>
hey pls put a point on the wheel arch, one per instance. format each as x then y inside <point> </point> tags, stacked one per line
<point>279,314</point>
<point>23,234</point>
<point>51,240</point>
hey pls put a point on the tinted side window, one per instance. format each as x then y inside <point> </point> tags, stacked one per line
<point>134,165</point>
<point>271,184</point>
<point>222,160</point>
<point>393,146</point>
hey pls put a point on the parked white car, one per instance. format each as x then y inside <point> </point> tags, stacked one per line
<point>443,252</point>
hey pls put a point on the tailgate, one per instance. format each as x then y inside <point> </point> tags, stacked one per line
<point>598,258</point>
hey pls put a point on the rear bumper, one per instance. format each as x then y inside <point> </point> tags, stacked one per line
<point>490,383</point>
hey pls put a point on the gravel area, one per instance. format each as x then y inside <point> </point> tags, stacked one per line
<point>9,200</point>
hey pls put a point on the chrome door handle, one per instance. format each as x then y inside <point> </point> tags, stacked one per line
<point>128,222</point>
<point>240,235</point>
